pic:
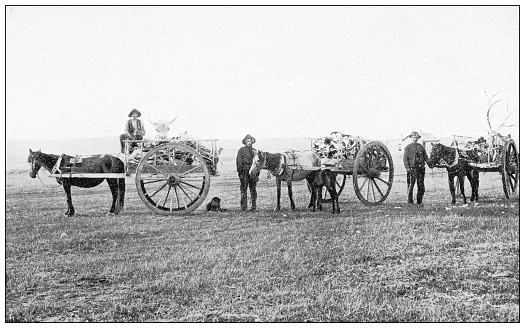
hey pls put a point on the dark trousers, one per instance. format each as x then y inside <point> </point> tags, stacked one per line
<point>416,176</point>
<point>127,137</point>
<point>246,182</point>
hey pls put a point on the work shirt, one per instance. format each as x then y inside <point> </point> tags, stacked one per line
<point>415,156</point>
<point>244,159</point>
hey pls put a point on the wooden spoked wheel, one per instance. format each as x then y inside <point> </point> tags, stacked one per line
<point>510,170</point>
<point>373,173</point>
<point>172,179</point>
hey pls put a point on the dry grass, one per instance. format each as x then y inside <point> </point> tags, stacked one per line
<point>388,263</point>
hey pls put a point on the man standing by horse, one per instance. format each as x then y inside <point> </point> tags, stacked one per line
<point>244,162</point>
<point>134,130</point>
<point>414,159</point>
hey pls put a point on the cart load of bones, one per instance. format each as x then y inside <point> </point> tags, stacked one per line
<point>338,146</point>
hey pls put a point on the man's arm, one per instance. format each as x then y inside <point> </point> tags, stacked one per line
<point>239,160</point>
<point>405,157</point>
<point>425,154</point>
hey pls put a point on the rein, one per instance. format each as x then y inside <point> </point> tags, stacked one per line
<point>45,165</point>
<point>46,185</point>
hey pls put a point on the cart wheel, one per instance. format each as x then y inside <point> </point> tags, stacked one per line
<point>510,170</point>
<point>373,173</point>
<point>172,179</point>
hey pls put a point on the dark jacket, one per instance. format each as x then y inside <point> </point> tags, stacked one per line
<point>415,156</point>
<point>244,159</point>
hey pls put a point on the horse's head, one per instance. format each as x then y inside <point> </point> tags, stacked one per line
<point>257,163</point>
<point>35,163</point>
<point>436,154</point>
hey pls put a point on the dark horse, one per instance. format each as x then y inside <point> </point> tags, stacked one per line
<point>93,164</point>
<point>287,167</point>
<point>456,163</point>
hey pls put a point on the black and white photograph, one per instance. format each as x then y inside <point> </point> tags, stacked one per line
<point>262,163</point>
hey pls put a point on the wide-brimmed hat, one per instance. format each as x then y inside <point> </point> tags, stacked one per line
<point>414,134</point>
<point>134,111</point>
<point>248,137</point>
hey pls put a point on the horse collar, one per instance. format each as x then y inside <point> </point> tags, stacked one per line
<point>456,159</point>
<point>56,168</point>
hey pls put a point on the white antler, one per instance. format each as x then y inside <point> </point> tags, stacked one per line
<point>491,104</point>
<point>173,120</point>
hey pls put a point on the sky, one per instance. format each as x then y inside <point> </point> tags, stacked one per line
<point>376,72</point>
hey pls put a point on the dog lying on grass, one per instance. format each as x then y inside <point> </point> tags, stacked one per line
<point>215,205</point>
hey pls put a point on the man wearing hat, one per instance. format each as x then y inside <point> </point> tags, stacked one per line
<point>244,162</point>
<point>414,158</point>
<point>134,130</point>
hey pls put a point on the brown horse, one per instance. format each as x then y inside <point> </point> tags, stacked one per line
<point>93,164</point>
<point>287,167</point>
<point>456,163</point>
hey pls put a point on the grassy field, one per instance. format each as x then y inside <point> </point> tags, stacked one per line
<point>392,262</point>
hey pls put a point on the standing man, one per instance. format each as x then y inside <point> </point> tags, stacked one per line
<point>244,162</point>
<point>134,130</point>
<point>414,159</point>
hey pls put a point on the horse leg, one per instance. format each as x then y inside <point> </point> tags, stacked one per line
<point>121,193</point>
<point>278,183</point>
<point>113,186</point>
<point>461,179</point>
<point>452,188</point>
<point>472,186</point>
<point>319,198</point>
<point>313,193</point>
<point>333,194</point>
<point>475,179</point>
<point>67,188</point>
<point>292,204</point>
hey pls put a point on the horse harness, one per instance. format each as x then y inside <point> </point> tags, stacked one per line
<point>454,167</point>
<point>287,159</point>
<point>72,161</point>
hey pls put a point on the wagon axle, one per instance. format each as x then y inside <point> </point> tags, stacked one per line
<point>173,180</point>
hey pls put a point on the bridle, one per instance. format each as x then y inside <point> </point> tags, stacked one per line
<point>454,163</point>
<point>34,168</point>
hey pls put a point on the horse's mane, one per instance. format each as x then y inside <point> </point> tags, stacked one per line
<point>47,160</point>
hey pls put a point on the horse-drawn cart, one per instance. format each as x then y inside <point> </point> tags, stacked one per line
<point>368,162</point>
<point>172,176</point>
<point>499,154</point>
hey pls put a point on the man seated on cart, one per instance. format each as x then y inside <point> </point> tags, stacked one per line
<point>134,131</point>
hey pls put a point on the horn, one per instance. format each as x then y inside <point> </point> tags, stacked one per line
<point>173,120</point>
